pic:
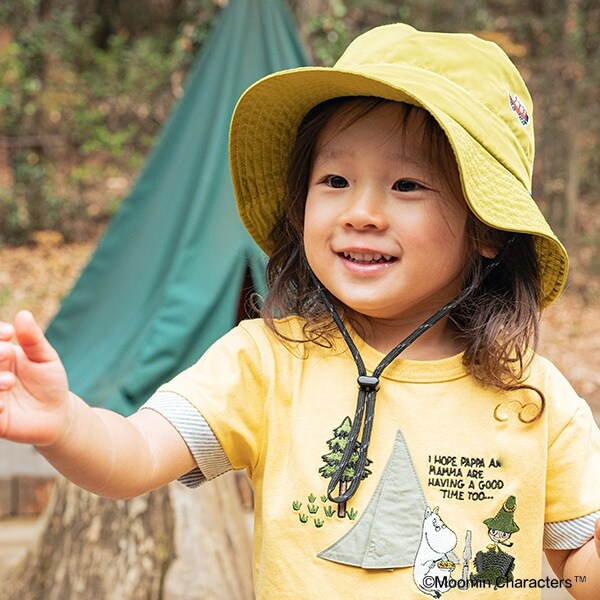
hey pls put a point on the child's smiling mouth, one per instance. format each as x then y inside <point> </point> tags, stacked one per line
<point>367,258</point>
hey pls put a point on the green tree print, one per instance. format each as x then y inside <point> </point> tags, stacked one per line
<point>336,445</point>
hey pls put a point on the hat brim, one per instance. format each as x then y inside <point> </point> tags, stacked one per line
<point>268,115</point>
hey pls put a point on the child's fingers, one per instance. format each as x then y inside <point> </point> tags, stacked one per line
<point>597,537</point>
<point>7,380</point>
<point>7,331</point>
<point>31,338</point>
<point>7,356</point>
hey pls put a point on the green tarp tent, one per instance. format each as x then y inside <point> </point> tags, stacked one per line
<point>166,278</point>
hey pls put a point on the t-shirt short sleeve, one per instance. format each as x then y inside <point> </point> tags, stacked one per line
<point>227,386</point>
<point>573,478</point>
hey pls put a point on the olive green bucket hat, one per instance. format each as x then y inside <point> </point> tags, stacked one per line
<point>469,86</point>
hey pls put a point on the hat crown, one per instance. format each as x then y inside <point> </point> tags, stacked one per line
<point>479,72</point>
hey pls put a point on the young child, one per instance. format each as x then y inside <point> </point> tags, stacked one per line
<point>387,405</point>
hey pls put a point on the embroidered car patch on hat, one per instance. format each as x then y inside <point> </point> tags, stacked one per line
<point>519,109</point>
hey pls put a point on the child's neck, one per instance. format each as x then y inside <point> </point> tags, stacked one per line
<point>441,341</point>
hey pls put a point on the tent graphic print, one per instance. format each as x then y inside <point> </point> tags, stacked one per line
<point>387,535</point>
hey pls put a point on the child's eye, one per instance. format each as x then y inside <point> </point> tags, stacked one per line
<point>405,185</point>
<point>336,181</point>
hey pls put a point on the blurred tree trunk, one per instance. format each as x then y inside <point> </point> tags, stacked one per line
<point>573,180</point>
<point>171,544</point>
<point>573,54</point>
<point>557,38</point>
<point>29,164</point>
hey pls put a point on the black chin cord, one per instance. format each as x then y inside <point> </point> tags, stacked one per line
<point>369,384</point>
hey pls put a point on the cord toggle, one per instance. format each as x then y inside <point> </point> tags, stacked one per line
<point>368,382</point>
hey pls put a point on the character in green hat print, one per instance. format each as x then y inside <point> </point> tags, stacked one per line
<point>495,565</point>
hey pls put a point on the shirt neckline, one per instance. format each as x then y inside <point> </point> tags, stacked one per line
<point>405,370</point>
<point>408,370</point>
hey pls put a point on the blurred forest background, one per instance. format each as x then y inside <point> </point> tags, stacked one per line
<point>86,84</point>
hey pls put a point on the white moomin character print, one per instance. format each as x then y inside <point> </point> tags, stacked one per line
<point>433,567</point>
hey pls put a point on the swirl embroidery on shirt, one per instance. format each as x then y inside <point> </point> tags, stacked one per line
<point>527,412</point>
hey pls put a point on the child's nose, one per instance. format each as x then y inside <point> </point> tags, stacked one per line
<point>365,210</point>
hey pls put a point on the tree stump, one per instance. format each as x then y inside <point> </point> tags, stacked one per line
<point>170,544</point>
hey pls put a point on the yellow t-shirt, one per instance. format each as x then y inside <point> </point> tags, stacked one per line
<point>458,485</point>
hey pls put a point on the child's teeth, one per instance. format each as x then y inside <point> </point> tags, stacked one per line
<point>366,258</point>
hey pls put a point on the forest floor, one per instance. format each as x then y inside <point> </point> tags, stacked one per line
<point>37,278</point>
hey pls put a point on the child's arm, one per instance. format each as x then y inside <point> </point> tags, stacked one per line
<point>98,450</point>
<point>580,566</point>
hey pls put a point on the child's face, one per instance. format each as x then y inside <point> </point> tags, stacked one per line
<point>380,232</point>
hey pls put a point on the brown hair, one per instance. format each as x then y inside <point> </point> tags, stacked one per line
<point>496,323</point>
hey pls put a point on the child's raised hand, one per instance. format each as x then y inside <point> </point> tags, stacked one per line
<point>34,393</point>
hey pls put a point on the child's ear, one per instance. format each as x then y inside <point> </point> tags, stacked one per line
<point>488,251</point>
